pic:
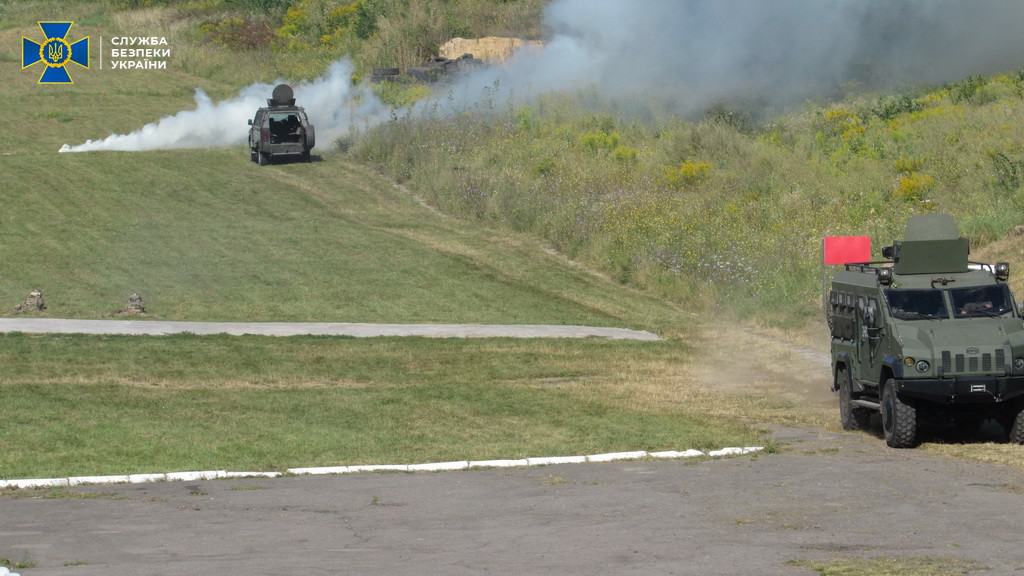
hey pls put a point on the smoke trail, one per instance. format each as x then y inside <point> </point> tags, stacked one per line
<point>687,54</point>
<point>694,53</point>
<point>331,102</point>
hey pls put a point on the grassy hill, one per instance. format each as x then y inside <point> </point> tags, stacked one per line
<point>205,234</point>
<point>722,206</point>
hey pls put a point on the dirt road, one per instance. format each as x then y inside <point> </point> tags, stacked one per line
<point>826,496</point>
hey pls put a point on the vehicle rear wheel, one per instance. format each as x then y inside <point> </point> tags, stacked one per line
<point>850,416</point>
<point>1017,428</point>
<point>899,419</point>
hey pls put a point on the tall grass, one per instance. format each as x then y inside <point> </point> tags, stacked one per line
<point>716,207</point>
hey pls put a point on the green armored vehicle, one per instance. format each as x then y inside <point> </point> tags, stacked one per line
<point>280,129</point>
<point>927,335</point>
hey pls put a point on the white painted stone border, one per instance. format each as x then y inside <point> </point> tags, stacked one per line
<point>333,470</point>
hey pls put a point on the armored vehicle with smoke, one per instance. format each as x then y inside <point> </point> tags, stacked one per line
<point>280,129</point>
<point>927,336</point>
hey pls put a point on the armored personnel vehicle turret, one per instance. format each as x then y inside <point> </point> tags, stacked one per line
<point>280,129</point>
<point>926,334</point>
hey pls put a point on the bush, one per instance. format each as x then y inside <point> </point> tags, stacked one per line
<point>912,187</point>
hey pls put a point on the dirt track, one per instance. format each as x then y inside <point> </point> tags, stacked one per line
<point>826,496</point>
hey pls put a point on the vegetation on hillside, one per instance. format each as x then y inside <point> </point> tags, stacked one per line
<point>722,207</point>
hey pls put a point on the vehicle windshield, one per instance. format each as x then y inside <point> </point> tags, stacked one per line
<point>917,304</point>
<point>992,300</point>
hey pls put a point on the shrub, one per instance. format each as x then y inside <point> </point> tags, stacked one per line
<point>238,32</point>
<point>599,140</point>
<point>625,154</point>
<point>912,187</point>
<point>688,172</point>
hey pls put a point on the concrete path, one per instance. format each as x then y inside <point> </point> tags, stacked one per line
<point>824,497</point>
<point>164,328</point>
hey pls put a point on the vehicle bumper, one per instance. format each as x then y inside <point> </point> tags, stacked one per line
<point>285,149</point>
<point>964,389</point>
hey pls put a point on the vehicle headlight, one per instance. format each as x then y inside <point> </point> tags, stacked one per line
<point>922,366</point>
<point>1018,364</point>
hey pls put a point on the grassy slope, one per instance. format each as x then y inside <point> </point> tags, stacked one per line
<point>207,235</point>
<point>680,206</point>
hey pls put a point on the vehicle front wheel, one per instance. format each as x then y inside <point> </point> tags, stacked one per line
<point>899,419</point>
<point>850,416</point>
<point>1017,428</point>
<point>264,159</point>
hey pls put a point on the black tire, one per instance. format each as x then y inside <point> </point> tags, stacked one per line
<point>899,420</point>
<point>850,416</point>
<point>263,159</point>
<point>307,157</point>
<point>253,155</point>
<point>1016,428</point>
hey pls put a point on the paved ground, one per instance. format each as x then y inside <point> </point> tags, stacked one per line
<point>826,496</point>
<point>163,328</point>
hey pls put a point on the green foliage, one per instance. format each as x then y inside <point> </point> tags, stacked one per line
<point>238,32</point>
<point>1008,171</point>
<point>709,207</point>
<point>600,140</point>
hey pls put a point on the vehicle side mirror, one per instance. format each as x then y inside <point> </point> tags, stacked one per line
<point>250,122</point>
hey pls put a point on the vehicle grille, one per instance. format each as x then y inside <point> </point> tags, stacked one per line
<point>987,362</point>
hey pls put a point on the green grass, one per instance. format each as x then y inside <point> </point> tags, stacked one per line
<point>209,235</point>
<point>736,212</point>
<point>81,405</point>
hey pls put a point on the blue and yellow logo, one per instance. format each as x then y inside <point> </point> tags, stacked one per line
<point>55,52</point>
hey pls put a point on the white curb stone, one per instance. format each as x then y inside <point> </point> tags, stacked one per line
<point>545,461</point>
<point>734,451</point>
<point>674,454</point>
<point>194,476</point>
<point>38,483</point>
<point>324,470</point>
<point>252,474</point>
<point>144,478</point>
<point>498,463</point>
<point>321,470</point>
<point>380,468</point>
<point>439,466</point>
<point>612,456</point>
<point>80,480</point>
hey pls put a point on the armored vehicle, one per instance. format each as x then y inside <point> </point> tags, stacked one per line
<point>927,335</point>
<point>280,129</point>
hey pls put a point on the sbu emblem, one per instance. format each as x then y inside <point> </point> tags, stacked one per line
<point>55,52</point>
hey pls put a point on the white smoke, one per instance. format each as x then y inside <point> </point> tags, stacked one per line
<point>686,54</point>
<point>331,101</point>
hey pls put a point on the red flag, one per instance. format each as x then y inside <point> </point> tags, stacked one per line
<point>847,250</point>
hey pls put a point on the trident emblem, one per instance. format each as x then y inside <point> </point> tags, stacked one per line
<point>55,52</point>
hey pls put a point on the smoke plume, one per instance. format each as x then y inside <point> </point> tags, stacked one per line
<point>688,54</point>
<point>331,101</point>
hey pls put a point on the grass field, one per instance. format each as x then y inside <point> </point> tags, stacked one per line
<point>83,405</point>
<point>206,235</point>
